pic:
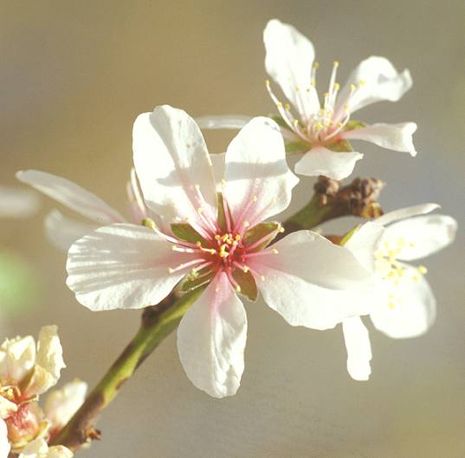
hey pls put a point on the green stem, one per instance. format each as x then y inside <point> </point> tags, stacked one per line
<point>310,216</point>
<point>157,322</point>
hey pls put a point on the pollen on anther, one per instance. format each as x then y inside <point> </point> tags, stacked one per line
<point>423,270</point>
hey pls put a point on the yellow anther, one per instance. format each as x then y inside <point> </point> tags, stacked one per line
<point>238,289</point>
<point>200,210</point>
<point>245,269</point>
<point>316,65</point>
<point>170,270</point>
<point>274,251</point>
<point>287,107</point>
<point>423,270</point>
<point>337,86</point>
<point>336,63</point>
<point>353,87</point>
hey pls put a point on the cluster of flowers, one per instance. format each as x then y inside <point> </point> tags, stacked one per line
<point>27,371</point>
<point>206,222</point>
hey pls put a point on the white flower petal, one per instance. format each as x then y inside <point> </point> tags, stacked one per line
<point>289,60</point>
<point>222,121</point>
<point>211,340</point>
<point>17,358</point>
<point>407,212</point>
<point>364,242</point>
<point>310,281</point>
<point>397,137</point>
<point>38,448</point>
<point>172,163</point>
<point>375,79</point>
<point>357,341</point>
<point>122,266</point>
<point>4,442</point>
<point>257,175</point>
<point>49,351</point>
<point>17,203</point>
<point>71,195</point>
<point>218,165</point>
<point>407,309</point>
<point>62,404</point>
<point>421,236</point>
<point>322,161</point>
<point>63,231</point>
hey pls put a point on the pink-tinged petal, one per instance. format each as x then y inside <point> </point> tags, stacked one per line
<point>4,442</point>
<point>222,121</point>
<point>62,231</point>
<point>211,339</point>
<point>259,182</point>
<point>407,212</point>
<point>310,281</point>
<point>364,242</point>
<point>357,341</point>
<point>315,259</point>
<point>406,309</point>
<point>397,137</point>
<point>122,266</point>
<point>17,203</point>
<point>419,237</point>
<point>289,60</point>
<point>71,195</point>
<point>172,164</point>
<point>322,161</point>
<point>375,79</point>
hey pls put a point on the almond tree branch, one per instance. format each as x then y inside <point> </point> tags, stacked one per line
<point>157,322</point>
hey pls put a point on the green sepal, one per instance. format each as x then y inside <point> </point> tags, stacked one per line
<point>221,219</point>
<point>195,279</point>
<point>260,231</point>
<point>341,146</point>
<point>354,124</point>
<point>297,147</point>
<point>246,282</point>
<point>186,232</point>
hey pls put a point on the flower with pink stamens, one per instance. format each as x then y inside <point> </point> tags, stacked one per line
<point>217,236</point>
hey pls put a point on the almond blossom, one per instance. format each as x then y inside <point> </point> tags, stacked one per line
<point>215,240</point>
<point>322,129</point>
<point>61,230</point>
<point>399,300</point>
<point>27,371</point>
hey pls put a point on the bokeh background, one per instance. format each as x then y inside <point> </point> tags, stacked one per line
<point>73,76</point>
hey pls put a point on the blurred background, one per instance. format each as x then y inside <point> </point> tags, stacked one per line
<point>73,77</point>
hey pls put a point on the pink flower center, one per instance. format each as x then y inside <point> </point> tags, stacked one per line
<point>216,246</point>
